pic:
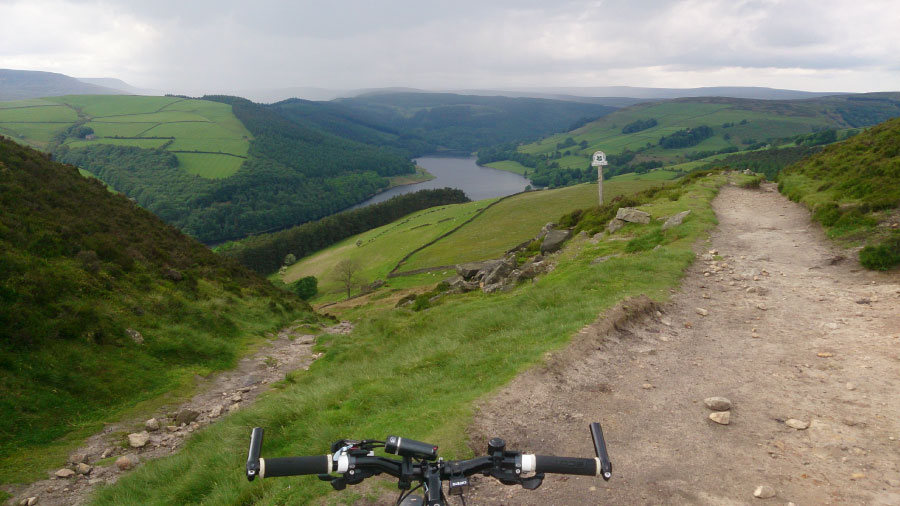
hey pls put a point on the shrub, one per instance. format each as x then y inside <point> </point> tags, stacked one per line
<point>307,287</point>
<point>883,256</point>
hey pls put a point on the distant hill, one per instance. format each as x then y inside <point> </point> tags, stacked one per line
<point>753,92</point>
<point>617,96</point>
<point>678,132</point>
<point>117,84</point>
<point>434,122</point>
<point>103,305</point>
<point>23,84</point>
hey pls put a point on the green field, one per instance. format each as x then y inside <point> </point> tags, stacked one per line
<point>753,121</point>
<point>509,166</point>
<point>200,133</point>
<point>210,166</point>
<point>653,175</point>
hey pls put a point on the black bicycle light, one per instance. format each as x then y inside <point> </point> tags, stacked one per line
<point>410,448</point>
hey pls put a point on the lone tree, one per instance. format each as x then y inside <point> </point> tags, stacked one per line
<point>346,273</point>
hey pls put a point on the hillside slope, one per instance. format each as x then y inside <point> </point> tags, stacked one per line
<point>102,305</point>
<point>853,188</point>
<point>667,133</point>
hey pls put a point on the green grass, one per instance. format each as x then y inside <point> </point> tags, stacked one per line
<point>45,114</point>
<point>104,129</point>
<point>381,248</point>
<point>509,166</point>
<point>852,187</point>
<point>208,165</point>
<point>141,143</point>
<point>653,175</point>
<point>417,374</point>
<point>207,128</point>
<point>31,102</point>
<point>34,134</point>
<point>115,105</point>
<point>514,221</point>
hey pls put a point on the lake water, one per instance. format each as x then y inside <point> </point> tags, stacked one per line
<point>463,173</point>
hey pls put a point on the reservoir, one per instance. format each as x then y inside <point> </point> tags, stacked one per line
<point>453,172</point>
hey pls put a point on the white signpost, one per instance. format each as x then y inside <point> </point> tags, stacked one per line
<point>599,161</point>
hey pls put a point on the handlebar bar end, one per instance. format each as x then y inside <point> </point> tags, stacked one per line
<point>253,466</point>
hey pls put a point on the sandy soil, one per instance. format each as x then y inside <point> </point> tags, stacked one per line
<point>792,331</point>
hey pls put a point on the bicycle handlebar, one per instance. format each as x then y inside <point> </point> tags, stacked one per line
<point>356,461</point>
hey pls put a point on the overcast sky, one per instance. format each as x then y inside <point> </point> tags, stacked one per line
<point>200,46</point>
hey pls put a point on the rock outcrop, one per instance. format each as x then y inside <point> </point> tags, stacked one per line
<point>632,215</point>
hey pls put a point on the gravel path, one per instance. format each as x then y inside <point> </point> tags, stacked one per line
<point>789,330</point>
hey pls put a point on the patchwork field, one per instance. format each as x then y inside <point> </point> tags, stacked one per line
<point>206,137</point>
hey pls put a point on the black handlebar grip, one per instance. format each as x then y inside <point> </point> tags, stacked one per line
<point>256,438</point>
<point>293,466</point>
<point>565,465</point>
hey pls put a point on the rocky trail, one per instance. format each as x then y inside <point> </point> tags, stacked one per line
<point>106,456</point>
<point>803,343</point>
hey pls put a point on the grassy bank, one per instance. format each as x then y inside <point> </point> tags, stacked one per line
<point>418,373</point>
<point>853,189</point>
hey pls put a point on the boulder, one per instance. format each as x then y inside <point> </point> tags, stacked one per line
<point>186,416</point>
<point>64,473</point>
<point>471,270</point>
<point>83,468</point>
<point>675,220</point>
<point>545,229</point>
<point>554,240</point>
<point>152,424</point>
<point>614,225</point>
<point>499,272</point>
<point>138,439</point>
<point>632,215</point>
<point>126,462</point>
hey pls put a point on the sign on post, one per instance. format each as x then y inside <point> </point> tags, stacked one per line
<point>599,160</point>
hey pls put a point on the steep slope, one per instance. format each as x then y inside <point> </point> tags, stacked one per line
<point>23,84</point>
<point>102,305</point>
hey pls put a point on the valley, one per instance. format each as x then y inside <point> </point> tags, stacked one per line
<point>185,315</point>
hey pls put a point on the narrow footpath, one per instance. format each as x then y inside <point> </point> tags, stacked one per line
<point>804,343</point>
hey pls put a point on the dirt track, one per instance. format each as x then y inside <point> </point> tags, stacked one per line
<point>826,351</point>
